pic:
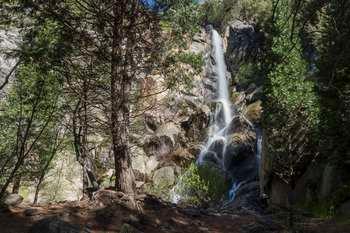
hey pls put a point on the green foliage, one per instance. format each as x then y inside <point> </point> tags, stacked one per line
<point>292,107</point>
<point>192,59</point>
<point>182,19</point>
<point>290,89</point>
<point>30,116</point>
<point>45,44</point>
<point>221,12</point>
<point>249,73</point>
<point>213,12</point>
<point>201,184</point>
<point>331,38</point>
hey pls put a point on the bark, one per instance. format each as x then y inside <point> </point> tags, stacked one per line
<point>16,184</point>
<point>120,100</point>
<point>80,131</point>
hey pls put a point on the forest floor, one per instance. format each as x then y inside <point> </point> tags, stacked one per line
<point>157,216</point>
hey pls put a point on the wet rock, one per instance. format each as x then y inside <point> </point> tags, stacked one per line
<point>164,177</point>
<point>197,123</point>
<point>240,146</point>
<point>56,225</point>
<point>236,125</point>
<point>13,200</point>
<point>218,147</point>
<point>256,95</point>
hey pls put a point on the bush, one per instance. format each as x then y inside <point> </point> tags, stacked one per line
<point>199,185</point>
<point>192,59</point>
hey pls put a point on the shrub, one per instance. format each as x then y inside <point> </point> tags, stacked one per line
<point>200,184</point>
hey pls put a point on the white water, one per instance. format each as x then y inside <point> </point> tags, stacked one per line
<point>223,114</point>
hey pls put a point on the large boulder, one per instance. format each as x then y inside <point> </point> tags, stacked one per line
<point>143,164</point>
<point>163,141</point>
<point>164,177</point>
<point>13,200</point>
<point>56,225</point>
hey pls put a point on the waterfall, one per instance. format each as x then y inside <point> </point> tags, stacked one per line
<point>217,137</point>
<point>214,149</point>
<point>258,145</point>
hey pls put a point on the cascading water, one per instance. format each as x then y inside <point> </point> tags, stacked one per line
<point>214,149</point>
<point>223,113</point>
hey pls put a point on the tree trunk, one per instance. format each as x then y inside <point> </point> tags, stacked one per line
<point>37,189</point>
<point>16,184</point>
<point>120,114</point>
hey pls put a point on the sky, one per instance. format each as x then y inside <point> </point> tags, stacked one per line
<point>150,3</point>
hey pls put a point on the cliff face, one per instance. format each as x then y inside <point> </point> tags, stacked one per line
<point>8,42</point>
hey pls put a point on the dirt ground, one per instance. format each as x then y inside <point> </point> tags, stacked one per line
<point>156,216</point>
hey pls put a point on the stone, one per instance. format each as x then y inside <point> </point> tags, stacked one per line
<point>138,159</point>
<point>151,122</point>
<point>256,95</point>
<point>182,155</point>
<point>107,197</point>
<point>56,225</point>
<point>13,200</point>
<point>253,112</point>
<point>170,130</point>
<point>151,164</point>
<point>164,177</point>
<point>163,141</point>
<point>243,43</point>
<point>127,228</point>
